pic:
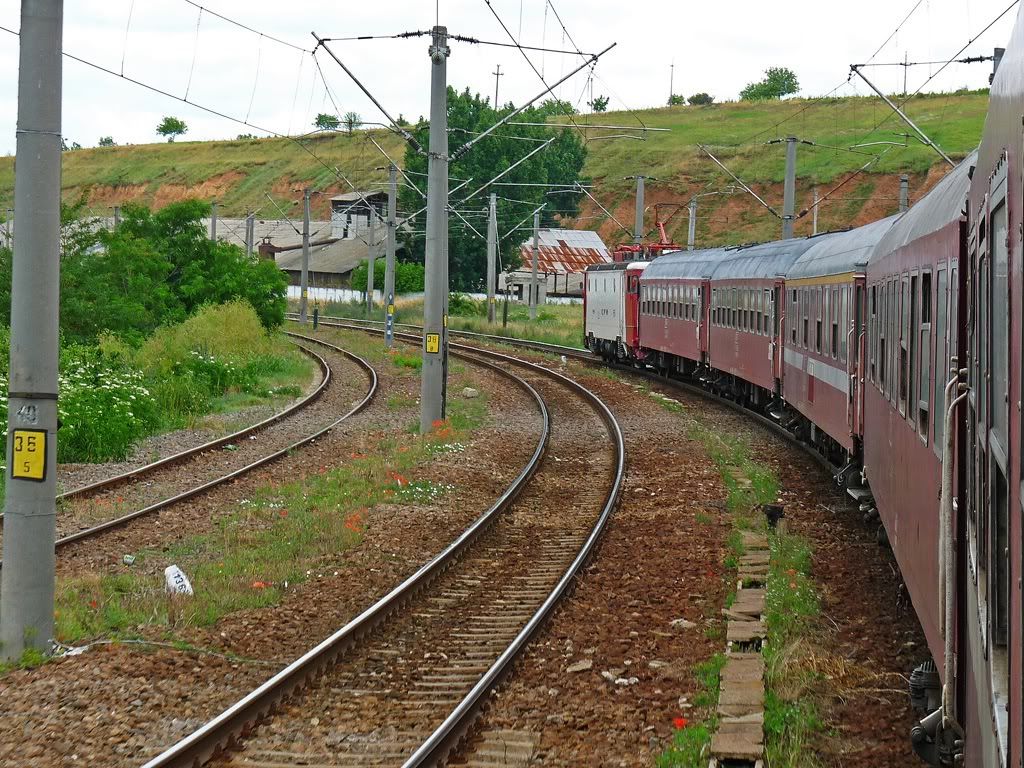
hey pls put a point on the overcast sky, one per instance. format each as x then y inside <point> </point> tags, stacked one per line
<point>716,47</point>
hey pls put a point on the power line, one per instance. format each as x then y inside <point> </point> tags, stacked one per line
<point>239,24</point>
<point>898,28</point>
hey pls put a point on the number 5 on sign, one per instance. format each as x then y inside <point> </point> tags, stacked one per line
<point>29,459</point>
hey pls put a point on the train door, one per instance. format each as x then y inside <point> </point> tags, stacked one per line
<point>853,349</point>
<point>777,293</point>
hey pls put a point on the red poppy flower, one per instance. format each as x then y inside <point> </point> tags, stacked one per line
<point>93,604</point>
<point>679,722</point>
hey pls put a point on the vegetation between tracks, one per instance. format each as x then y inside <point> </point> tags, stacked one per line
<point>280,536</point>
<point>555,323</point>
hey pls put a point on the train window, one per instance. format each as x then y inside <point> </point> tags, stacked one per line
<point>1000,322</point>
<point>894,340</point>
<point>793,315</point>
<point>834,317</point>
<point>925,375</point>
<point>733,301</point>
<point>913,346</point>
<point>883,334</point>
<point>904,334</point>
<point>803,301</point>
<point>872,334</point>
<point>818,319</point>
<point>941,370</point>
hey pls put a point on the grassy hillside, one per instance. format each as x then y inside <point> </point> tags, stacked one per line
<point>240,173</point>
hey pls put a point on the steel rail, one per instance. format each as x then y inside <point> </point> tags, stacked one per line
<point>448,735</point>
<point>133,474</point>
<point>235,723</point>
<point>123,520</point>
<point>587,357</point>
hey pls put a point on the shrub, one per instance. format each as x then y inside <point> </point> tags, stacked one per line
<point>461,305</point>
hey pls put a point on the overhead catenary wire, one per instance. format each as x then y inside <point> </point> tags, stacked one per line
<point>222,17</point>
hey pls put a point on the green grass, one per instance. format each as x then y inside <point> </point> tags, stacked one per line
<point>269,543</point>
<point>792,717</point>
<point>239,173</point>
<point>555,324</point>
<point>689,747</point>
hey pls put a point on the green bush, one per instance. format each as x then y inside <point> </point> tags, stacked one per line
<point>461,305</point>
<point>408,277</point>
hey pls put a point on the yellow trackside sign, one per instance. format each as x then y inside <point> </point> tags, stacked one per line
<point>29,460</point>
<point>433,343</point>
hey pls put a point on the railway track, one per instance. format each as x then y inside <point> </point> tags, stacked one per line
<point>115,502</point>
<point>403,681</point>
<point>586,356</point>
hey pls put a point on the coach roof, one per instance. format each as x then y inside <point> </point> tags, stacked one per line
<point>765,260</point>
<point>936,210</point>
<point>841,252</point>
<point>693,265</point>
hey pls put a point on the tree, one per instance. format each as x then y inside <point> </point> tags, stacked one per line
<point>107,141</point>
<point>352,120</point>
<point>408,277</point>
<point>599,104</point>
<point>65,147</point>
<point>400,120</point>
<point>701,99</point>
<point>326,122</point>
<point>560,163</point>
<point>171,127</point>
<point>777,82</point>
<point>676,100</point>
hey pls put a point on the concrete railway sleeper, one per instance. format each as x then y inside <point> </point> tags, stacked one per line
<point>180,463</point>
<point>403,681</point>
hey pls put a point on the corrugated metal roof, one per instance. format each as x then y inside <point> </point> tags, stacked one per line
<point>841,252</point>
<point>566,250</point>
<point>940,207</point>
<point>339,257</point>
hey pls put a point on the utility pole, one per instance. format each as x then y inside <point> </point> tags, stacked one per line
<point>389,257</point>
<point>29,575</point>
<point>638,222</point>
<point>814,214</point>
<point>492,253</point>
<point>250,234</point>
<point>10,228</point>
<point>304,275</point>
<point>435,280</point>
<point>213,221</point>
<point>117,216</point>
<point>789,189</point>
<point>371,261</point>
<point>904,192</point>
<point>671,82</point>
<point>497,73</point>
<point>692,234</point>
<point>534,286</point>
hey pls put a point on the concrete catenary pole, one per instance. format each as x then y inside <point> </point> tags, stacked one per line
<point>904,192</point>
<point>814,214</point>
<point>117,216</point>
<point>304,274</point>
<point>213,221</point>
<point>691,235</point>
<point>371,261</point>
<point>492,255</point>
<point>27,591</point>
<point>638,222</point>
<point>435,283</point>
<point>389,257</point>
<point>534,285</point>
<point>10,227</point>
<point>250,234</point>
<point>789,189</point>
